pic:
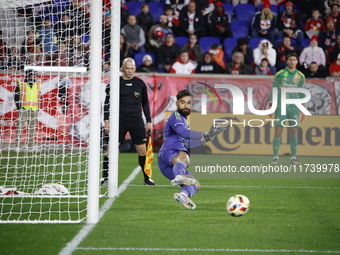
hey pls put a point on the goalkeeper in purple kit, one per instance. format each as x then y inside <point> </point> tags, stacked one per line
<point>173,157</point>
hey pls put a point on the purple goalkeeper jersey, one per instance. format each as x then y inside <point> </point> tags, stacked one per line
<point>177,134</point>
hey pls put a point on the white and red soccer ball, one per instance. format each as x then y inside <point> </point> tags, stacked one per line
<point>237,205</point>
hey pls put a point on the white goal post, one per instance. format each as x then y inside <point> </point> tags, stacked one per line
<point>51,157</point>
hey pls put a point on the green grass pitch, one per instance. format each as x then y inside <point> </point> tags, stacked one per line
<point>286,216</point>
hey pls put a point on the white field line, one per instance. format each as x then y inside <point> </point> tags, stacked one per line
<point>232,186</point>
<point>201,250</point>
<point>73,244</point>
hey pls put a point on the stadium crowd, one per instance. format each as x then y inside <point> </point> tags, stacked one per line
<point>226,36</point>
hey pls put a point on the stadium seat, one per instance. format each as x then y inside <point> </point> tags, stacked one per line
<point>207,41</point>
<point>229,44</point>
<point>156,9</point>
<point>245,12</point>
<point>85,38</point>
<point>305,42</point>
<point>229,8</point>
<point>59,6</point>
<point>254,42</point>
<point>273,8</point>
<point>134,7</point>
<point>139,58</point>
<point>240,28</point>
<point>181,40</point>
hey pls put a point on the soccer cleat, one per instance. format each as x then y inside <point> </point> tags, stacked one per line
<point>185,201</point>
<point>183,180</point>
<point>275,161</point>
<point>294,161</point>
<point>104,181</point>
<point>149,182</point>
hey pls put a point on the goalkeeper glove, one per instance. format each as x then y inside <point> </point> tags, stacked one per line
<point>209,136</point>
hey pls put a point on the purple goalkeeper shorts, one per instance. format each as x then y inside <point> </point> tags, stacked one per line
<point>165,158</point>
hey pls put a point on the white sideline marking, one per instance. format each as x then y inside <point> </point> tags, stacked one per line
<point>231,186</point>
<point>202,250</point>
<point>72,246</point>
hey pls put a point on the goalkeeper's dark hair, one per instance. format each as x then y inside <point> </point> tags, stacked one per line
<point>183,93</point>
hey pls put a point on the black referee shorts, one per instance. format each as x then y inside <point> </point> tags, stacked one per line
<point>135,126</point>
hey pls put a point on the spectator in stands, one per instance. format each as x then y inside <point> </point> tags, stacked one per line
<point>15,61</point>
<point>237,66</point>
<point>33,59</point>
<point>191,21</point>
<point>167,53</point>
<point>263,68</point>
<point>194,49</point>
<point>158,32</point>
<point>30,44</point>
<point>217,55</point>
<point>134,35</point>
<point>314,25</point>
<point>172,19</point>
<point>48,38</point>
<point>219,22</point>
<point>313,71</point>
<point>65,29</point>
<point>145,20</point>
<point>4,53</point>
<point>288,23</point>
<point>208,65</point>
<point>79,52</point>
<point>283,51</point>
<point>124,15</point>
<point>205,6</point>
<point>307,8</point>
<point>334,69</point>
<point>335,14</point>
<point>106,67</point>
<point>334,51</point>
<point>62,56</point>
<point>31,50</point>
<point>106,37</point>
<point>107,5</point>
<point>264,23</point>
<point>328,4</point>
<point>147,66</point>
<point>79,17</point>
<point>312,53</point>
<point>243,47</point>
<point>265,50</point>
<point>177,5</point>
<point>327,38</point>
<point>124,49</point>
<point>183,65</point>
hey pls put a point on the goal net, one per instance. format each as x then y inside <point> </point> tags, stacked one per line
<point>44,110</point>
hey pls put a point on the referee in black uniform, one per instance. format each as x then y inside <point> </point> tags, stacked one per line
<point>133,97</point>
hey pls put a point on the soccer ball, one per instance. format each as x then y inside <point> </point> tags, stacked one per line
<point>237,205</point>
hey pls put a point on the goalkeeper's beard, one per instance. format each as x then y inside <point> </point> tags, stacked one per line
<point>184,112</point>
